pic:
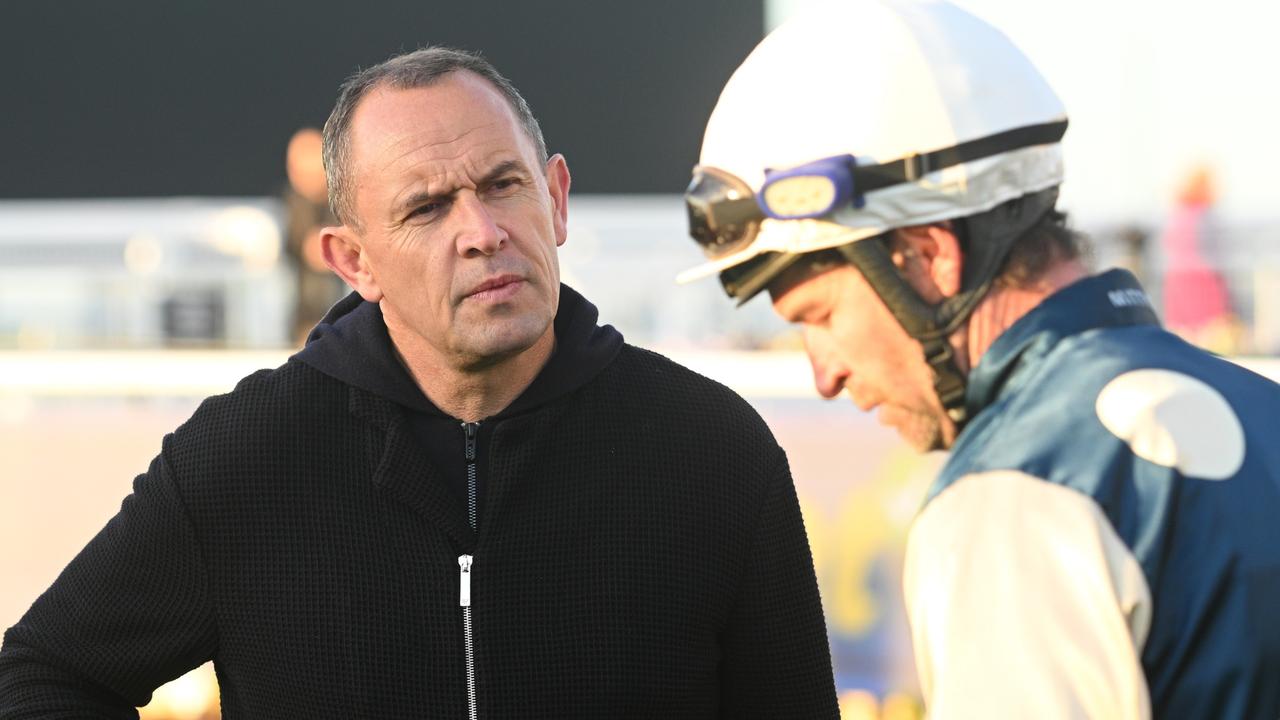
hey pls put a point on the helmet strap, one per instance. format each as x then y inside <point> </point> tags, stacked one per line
<point>991,234</point>
<point>918,318</point>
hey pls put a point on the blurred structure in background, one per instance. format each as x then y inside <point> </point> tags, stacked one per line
<point>183,273</point>
<point>623,252</point>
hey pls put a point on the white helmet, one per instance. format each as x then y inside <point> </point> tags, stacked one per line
<point>882,81</point>
<point>871,115</point>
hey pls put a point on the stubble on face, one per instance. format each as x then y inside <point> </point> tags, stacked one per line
<point>921,429</point>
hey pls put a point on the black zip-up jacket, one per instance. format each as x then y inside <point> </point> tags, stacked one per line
<point>639,553</point>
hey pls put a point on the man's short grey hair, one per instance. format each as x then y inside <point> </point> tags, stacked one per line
<point>420,68</point>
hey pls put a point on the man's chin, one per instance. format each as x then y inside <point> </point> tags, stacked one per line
<point>921,442</point>
<point>922,432</point>
<point>503,341</point>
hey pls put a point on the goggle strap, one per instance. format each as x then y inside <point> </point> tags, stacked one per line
<point>913,167</point>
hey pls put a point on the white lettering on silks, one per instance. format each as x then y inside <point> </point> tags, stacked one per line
<point>1174,420</point>
<point>1128,297</point>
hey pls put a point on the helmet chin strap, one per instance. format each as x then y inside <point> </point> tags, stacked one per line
<point>991,234</point>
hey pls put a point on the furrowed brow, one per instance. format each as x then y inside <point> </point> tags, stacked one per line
<point>422,197</point>
<point>507,167</point>
<point>415,199</point>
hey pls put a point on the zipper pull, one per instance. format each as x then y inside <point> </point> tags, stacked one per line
<point>464,590</point>
<point>470,429</point>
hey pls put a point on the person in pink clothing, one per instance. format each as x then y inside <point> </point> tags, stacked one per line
<point>1197,305</point>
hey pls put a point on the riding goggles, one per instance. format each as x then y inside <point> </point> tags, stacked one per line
<point>725,215</point>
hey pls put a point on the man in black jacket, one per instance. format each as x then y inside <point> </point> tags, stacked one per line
<point>463,498</point>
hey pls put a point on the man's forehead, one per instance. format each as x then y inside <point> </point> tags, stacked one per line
<point>458,105</point>
<point>428,139</point>
<point>799,284</point>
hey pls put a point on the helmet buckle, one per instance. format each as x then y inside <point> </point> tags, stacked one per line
<point>917,166</point>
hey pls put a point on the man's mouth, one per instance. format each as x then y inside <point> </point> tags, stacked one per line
<point>497,288</point>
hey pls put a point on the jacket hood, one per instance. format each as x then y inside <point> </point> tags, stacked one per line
<point>351,344</point>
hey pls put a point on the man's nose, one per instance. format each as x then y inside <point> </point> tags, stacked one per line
<point>829,373</point>
<point>477,231</point>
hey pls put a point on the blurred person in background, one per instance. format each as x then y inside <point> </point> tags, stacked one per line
<point>464,497</point>
<point>1102,541</point>
<point>306,202</point>
<point>1197,305</point>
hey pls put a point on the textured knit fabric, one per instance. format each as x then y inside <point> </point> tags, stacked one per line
<point>351,344</point>
<point>641,556</point>
<point>1184,468</point>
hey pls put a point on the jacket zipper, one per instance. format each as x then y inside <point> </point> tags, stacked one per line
<point>471,429</point>
<point>464,571</point>
<point>464,600</point>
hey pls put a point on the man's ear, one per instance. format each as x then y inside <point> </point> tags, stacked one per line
<point>557,174</point>
<point>930,259</point>
<point>344,254</point>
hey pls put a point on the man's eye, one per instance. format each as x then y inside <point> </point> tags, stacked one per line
<point>426,209</point>
<point>504,184</point>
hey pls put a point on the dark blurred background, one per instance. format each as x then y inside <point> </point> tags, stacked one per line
<point>199,97</point>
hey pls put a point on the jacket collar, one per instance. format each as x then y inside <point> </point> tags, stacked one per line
<point>1112,299</point>
<point>351,344</point>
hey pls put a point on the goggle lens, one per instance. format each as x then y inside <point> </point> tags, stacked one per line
<point>723,214</point>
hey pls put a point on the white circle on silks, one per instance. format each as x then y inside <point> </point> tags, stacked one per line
<point>1174,420</point>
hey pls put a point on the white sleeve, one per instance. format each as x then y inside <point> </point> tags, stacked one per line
<point>1025,604</point>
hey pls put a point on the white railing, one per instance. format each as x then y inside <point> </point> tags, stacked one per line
<point>198,373</point>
